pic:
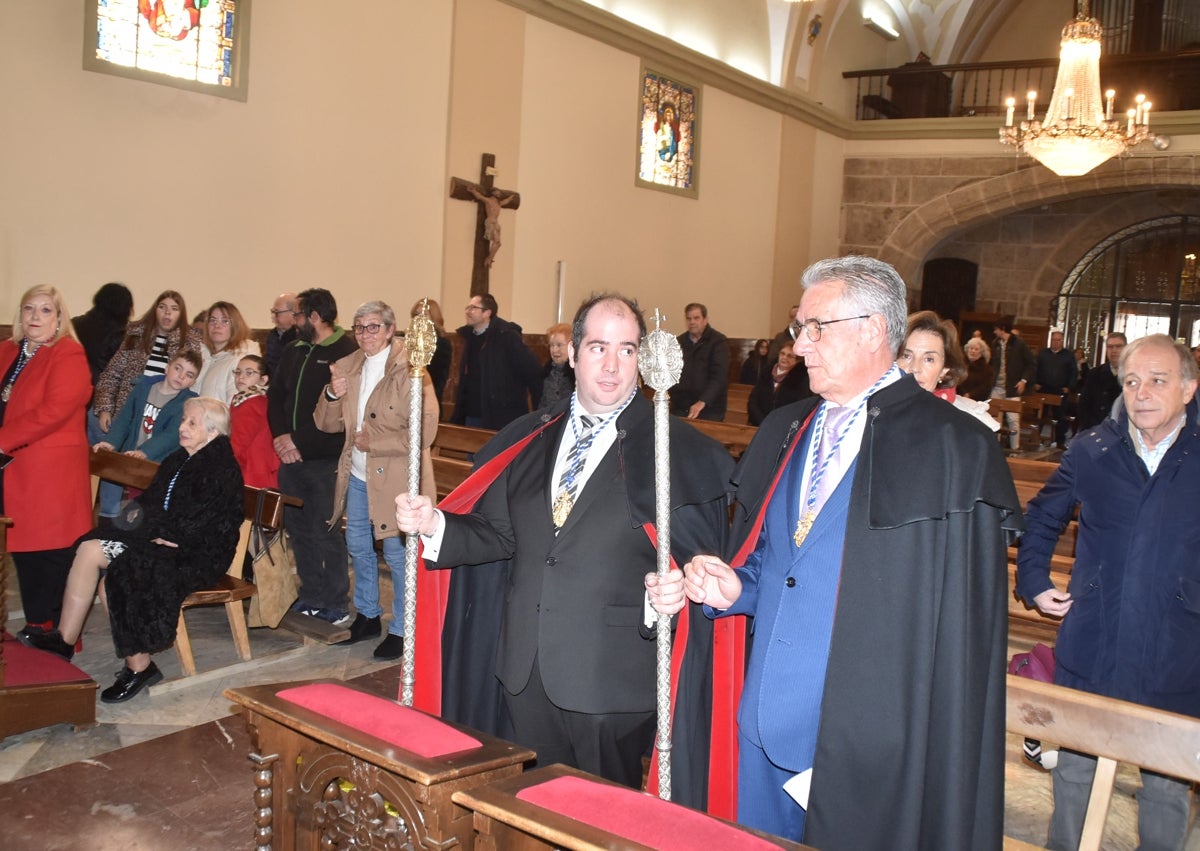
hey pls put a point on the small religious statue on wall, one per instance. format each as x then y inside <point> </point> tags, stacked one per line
<point>491,217</point>
<point>490,200</point>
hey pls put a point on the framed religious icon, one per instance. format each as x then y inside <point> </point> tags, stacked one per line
<point>197,45</point>
<point>668,134</point>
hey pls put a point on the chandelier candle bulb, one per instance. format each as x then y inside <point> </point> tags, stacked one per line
<point>1078,131</point>
<point>1008,117</point>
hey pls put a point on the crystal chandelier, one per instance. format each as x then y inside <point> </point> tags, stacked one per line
<point>1079,131</point>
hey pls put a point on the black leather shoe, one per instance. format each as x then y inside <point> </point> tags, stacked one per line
<point>51,642</point>
<point>130,683</point>
<point>362,629</point>
<point>391,647</point>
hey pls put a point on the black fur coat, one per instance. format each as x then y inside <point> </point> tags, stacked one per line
<point>148,582</point>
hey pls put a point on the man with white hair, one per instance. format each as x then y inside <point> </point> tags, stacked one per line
<point>1131,616</point>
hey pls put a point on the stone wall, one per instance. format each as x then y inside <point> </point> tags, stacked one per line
<point>1024,226</point>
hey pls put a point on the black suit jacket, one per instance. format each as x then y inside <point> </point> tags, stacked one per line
<point>575,600</point>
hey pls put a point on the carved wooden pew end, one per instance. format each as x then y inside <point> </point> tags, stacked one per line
<point>336,764</point>
<point>560,807</point>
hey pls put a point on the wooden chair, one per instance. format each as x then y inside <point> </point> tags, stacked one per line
<point>1113,730</point>
<point>230,591</point>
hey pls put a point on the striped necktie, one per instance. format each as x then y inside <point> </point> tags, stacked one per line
<point>568,484</point>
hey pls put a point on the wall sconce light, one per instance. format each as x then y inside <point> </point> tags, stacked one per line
<point>881,27</point>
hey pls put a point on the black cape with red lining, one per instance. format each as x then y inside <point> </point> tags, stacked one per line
<point>910,752</point>
<point>700,469</point>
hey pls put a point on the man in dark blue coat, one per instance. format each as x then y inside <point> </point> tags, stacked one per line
<point>1131,616</point>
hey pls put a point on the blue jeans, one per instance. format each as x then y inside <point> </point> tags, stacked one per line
<point>360,543</point>
<point>1163,806</point>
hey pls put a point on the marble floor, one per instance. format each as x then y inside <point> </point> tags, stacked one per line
<point>168,769</point>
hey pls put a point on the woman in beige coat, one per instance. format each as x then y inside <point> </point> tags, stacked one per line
<point>368,398</point>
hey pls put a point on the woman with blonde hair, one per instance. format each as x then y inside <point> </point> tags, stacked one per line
<point>45,385</point>
<point>980,376</point>
<point>226,341</point>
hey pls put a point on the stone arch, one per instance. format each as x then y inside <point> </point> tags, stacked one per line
<point>1029,185</point>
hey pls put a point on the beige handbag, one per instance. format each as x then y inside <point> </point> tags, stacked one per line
<point>274,573</point>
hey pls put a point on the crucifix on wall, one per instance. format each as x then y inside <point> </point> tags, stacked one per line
<point>491,201</point>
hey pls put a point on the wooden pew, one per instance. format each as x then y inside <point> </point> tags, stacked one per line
<point>505,821</point>
<point>735,438</point>
<point>1029,476</point>
<point>737,408</point>
<point>344,767</point>
<point>450,449</point>
<point>1112,730</point>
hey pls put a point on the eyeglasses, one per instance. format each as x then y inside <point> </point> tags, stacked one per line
<point>471,307</point>
<point>275,312</point>
<point>373,328</point>
<point>814,327</point>
<point>217,320</point>
<point>241,372</point>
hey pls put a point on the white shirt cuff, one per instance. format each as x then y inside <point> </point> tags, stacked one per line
<point>432,544</point>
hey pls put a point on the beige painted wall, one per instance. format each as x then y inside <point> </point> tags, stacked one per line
<point>340,178</point>
<point>580,204</point>
<point>323,177</point>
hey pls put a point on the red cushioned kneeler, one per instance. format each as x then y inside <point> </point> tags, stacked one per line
<point>38,689</point>
<point>334,762</point>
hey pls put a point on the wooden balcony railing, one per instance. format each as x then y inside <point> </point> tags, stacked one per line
<point>922,90</point>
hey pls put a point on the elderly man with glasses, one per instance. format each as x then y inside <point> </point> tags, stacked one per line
<point>873,525</point>
<point>283,315</point>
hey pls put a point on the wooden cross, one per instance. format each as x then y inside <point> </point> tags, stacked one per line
<point>487,221</point>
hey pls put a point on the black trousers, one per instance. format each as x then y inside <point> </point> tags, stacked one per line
<point>321,561</point>
<point>42,576</point>
<point>610,746</point>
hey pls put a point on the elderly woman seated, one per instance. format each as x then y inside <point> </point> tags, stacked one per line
<point>177,537</point>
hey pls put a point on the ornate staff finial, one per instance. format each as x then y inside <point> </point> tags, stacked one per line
<point>420,340</point>
<point>660,360</point>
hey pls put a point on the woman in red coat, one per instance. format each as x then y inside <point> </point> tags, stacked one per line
<point>44,390</point>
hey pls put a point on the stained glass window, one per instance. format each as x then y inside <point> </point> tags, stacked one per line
<point>198,45</point>
<point>667,127</point>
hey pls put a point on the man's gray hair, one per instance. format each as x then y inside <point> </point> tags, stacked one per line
<point>214,413</point>
<point>386,314</point>
<point>871,286</point>
<point>1187,364</point>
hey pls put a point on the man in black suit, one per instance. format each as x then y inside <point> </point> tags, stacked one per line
<point>575,653</point>
<point>1101,387</point>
